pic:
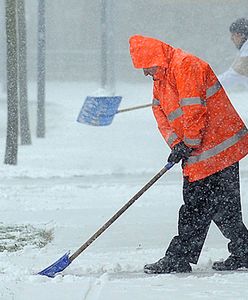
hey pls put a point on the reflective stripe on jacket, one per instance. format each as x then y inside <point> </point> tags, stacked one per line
<point>190,105</point>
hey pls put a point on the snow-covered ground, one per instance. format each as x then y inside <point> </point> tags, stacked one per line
<point>70,183</point>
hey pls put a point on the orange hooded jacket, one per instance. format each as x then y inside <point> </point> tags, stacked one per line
<point>190,105</point>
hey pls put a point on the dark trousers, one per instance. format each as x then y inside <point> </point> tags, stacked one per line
<point>215,198</point>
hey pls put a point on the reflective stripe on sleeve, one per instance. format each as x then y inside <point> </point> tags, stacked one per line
<point>191,101</point>
<point>219,148</point>
<point>213,89</point>
<point>175,114</point>
<point>173,137</point>
<point>192,142</point>
<point>184,102</point>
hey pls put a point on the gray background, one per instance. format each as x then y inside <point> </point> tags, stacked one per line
<point>73,33</point>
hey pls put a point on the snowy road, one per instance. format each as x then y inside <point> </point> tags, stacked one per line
<point>74,208</point>
<point>74,180</point>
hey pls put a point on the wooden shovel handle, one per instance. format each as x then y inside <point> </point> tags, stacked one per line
<point>133,108</point>
<point>120,211</point>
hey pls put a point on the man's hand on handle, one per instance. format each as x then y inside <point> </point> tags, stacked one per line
<point>178,152</point>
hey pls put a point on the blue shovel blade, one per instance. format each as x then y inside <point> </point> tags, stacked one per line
<point>56,267</point>
<point>99,111</point>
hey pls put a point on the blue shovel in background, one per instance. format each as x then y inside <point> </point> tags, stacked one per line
<point>100,111</point>
<point>66,260</point>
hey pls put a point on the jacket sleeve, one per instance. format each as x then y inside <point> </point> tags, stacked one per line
<point>190,80</point>
<point>163,125</point>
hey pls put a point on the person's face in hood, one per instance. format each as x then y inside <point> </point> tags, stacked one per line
<point>150,71</point>
<point>157,73</point>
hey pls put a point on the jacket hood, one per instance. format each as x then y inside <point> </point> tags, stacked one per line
<point>147,52</point>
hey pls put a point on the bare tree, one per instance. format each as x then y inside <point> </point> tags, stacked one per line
<point>22,63</point>
<point>41,70</point>
<point>12,92</point>
<point>107,47</point>
<point>3,48</point>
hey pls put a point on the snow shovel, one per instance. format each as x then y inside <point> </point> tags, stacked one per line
<point>66,260</point>
<point>100,111</point>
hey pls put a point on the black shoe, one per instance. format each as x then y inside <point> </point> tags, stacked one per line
<point>231,263</point>
<point>166,265</point>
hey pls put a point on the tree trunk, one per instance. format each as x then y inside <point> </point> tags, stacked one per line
<point>23,94</point>
<point>3,57</point>
<point>12,95</point>
<point>107,47</point>
<point>41,70</point>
